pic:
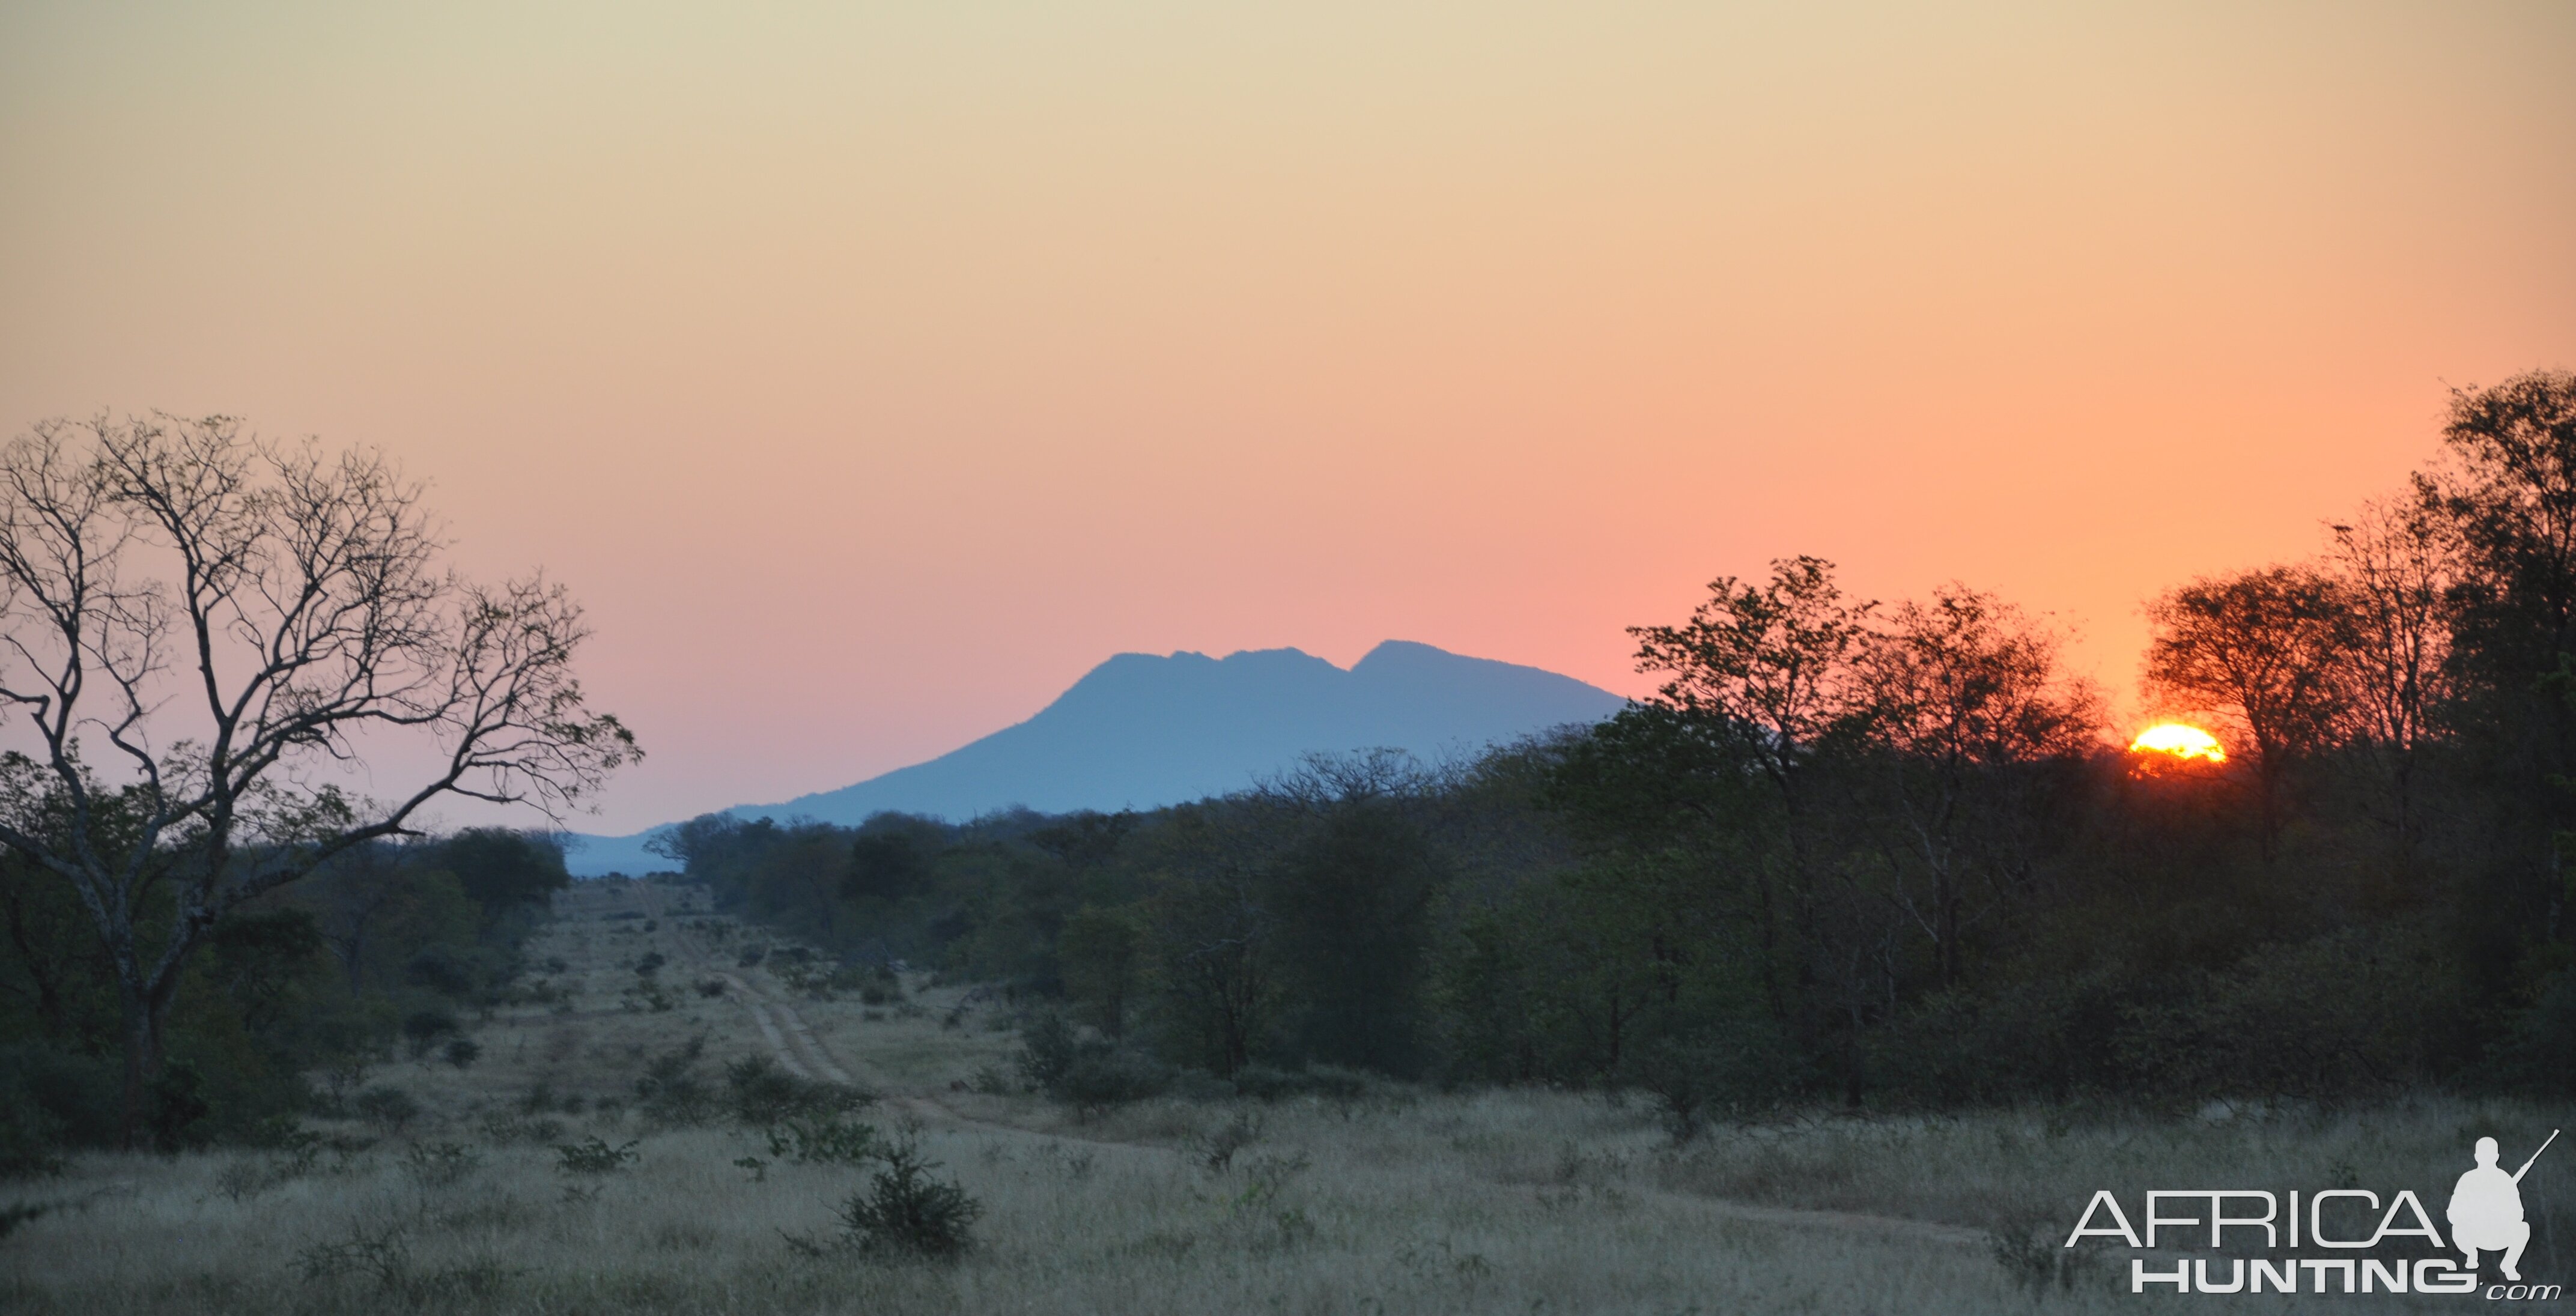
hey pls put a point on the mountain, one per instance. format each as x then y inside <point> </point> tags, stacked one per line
<point>1140,731</point>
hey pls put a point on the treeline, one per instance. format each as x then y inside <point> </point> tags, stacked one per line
<point>1861,853</point>
<point>382,953</point>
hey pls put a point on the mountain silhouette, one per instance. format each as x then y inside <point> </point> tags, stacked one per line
<point>1140,731</point>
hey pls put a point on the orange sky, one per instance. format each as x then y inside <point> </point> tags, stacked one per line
<point>872,375</point>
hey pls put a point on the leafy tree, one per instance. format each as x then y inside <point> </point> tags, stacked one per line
<point>2401,561</point>
<point>1967,700</point>
<point>2264,647</point>
<point>502,869</point>
<point>1101,951</point>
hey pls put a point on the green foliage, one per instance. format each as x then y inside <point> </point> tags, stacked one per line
<point>906,1211</point>
<point>672,1091</point>
<point>1089,1073</point>
<point>1848,852</point>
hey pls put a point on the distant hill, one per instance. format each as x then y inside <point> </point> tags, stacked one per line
<point>1141,731</point>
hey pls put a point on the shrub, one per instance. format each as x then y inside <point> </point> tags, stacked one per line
<point>593,1155</point>
<point>501,1127</point>
<point>907,1212</point>
<point>463,1052</point>
<point>651,963</point>
<point>763,1093</point>
<point>423,1028</point>
<point>1088,1073</point>
<point>388,1108</point>
<point>52,1099</point>
<point>441,970</point>
<point>383,1255</point>
<point>1215,1150</point>
<point>439,1164</point>
<point>1266,1083</point>
<point>20,1213</point>
<point>711,987</point>
<point>671,1090</point>
<point>828,1141</point>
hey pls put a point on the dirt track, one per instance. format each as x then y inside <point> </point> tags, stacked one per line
<point>804,1054</point>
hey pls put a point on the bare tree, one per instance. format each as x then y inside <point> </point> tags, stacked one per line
<point>222,620</point>
<point>2401,558</point>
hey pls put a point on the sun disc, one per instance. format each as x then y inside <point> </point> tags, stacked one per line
<point>2181,740</point>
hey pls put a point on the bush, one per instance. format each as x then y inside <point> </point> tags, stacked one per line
<point>671,1091</point>
<point>1088,1073</point>
<point>423,1028</point>
<point>762,1093</point>
<point>907,1212</point>
<point>1215,1150</point>
<point>593,1155</point>
<point>829,1141</point>
<point>651,963</point>
<point>463,1052</point>
<point>1266,1083</point>
<point>51,1099</point>
<point>441,970</point>
<point>439,1164</point>
<point>388,1108</point>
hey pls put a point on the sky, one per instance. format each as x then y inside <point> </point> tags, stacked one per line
<point>872,371</point>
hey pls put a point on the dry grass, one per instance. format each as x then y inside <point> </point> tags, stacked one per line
<point>1399,1202</point>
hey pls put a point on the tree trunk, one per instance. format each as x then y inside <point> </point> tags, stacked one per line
<point>142,1063</point>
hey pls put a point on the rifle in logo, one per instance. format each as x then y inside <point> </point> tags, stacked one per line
<point>2544,1146</point>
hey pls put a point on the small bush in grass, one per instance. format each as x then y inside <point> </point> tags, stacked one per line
<point>593,1155</point>
<point>463,1052</point>
<point>422,1029</point>
<point>388,1108</point>
<point>907,1212</point>
<point>1215,1149</point>
<point>439,1164</point>
<point>502,1128</point>
<point>671,1090</point>
<point>830,1141</point>
<point>763,1093</point>
<point>383,1255</point>
<point>651,963</point>
<point>711,987</point>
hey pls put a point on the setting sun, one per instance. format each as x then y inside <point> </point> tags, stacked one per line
<point>2180,740</point>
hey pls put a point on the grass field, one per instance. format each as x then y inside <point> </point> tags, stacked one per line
<point>1396,1201</point>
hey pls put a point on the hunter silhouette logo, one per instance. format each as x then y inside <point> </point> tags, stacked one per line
<point>2485,1214</point>
<point>2486,1209</point>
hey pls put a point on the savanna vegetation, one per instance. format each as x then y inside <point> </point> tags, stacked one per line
<point>1833,977</point>
<point>1876,856</point>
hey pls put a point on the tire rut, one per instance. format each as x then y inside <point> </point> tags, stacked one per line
<point>803,1054</point>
